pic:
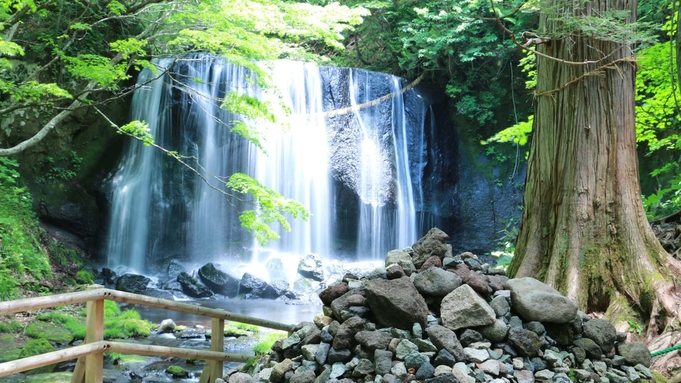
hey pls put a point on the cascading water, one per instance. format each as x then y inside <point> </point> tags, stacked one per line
<point>161,210</point>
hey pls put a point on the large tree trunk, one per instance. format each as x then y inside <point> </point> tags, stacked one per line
<point>584,230</point>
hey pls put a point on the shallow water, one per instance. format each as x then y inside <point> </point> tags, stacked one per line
<point>259,308</point>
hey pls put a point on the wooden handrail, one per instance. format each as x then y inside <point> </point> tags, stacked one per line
<point>90,355</point>
<point>31,304</point>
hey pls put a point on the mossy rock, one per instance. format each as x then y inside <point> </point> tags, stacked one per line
<point>55,377</point>
<point>133,359</point>
<point>9,354</point>
<point>177,372</point>
<point>50,331</point>
<point>37,347</point>
<point>127,328</point>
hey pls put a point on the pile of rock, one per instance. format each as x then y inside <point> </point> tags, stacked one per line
<point>434,317</point>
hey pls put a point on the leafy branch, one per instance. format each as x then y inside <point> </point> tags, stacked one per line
<point>269,206</point>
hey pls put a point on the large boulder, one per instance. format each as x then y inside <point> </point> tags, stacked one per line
<point>132,283</point>
<point>463,308</point>
<point>602,332</point>
<point>250,284</point>
<point>192,287</point>
<point>396,303</point>
<point>434,243</point>
<point>436,282</point>
<point>635,353</point>
<point>526,342</point>
<point>332,292</point>
<point>310,266</point>
<point>537,301</point>
<point>219,281</point>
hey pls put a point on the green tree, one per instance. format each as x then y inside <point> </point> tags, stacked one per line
<point>59,56</point>
<point>584,230</point>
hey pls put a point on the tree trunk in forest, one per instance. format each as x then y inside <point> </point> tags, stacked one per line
<point>584,230</point>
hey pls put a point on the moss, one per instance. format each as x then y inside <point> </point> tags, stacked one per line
<point>37,347</point>
<point>177,372</point>
<point>55,377</point>
<point>118,358</point>
<point>73,323</point>
<point>6,338</point>
<point>658,378</point>
<point>126,328</point>
<point>85,277</point>
<point>49,331</point>
<point>12,327</point>
<point>9,354</point>
<point>248,327</point>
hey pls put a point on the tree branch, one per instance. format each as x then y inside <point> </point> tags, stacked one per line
<point>357,108</point>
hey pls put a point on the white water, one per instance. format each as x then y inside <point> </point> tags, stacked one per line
<point>382,229</point>
<point>161,211</point>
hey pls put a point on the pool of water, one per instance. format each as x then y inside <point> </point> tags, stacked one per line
<point>260,308</point>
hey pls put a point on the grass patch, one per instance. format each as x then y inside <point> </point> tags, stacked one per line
<point>267,342</point>
<point>248,327</point>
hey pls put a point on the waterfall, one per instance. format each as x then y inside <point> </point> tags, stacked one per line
<point>161,210</point>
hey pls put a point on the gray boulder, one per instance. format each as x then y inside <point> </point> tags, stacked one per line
<point>132,283</point>
<point>383,361</point>
<point>496,332</point>
<point>373,340</point>
<point>192,287</point>
<point>402,259</point>
<point>433,243</point>
<point>218,281</point>
<point>345,336</point>
<point>332,292</point>
<point>635,353</point>
<point>602,332</point>
<point>463,308</point>
<point>310,266</point>
<point>525,341</point>
<point>436,282</point>
<point>534,300</point>
<point>592,350</point>
<point>396,303</point>
<point>445,339</point>
<point>167,325</point>
<point>251,284</point>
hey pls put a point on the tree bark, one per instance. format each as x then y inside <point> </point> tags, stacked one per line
<point>584,229</point>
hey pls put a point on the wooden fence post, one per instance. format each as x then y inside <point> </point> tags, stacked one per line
<point>89,369</point>
<point>213,368</point>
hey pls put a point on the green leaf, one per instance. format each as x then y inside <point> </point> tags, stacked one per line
<point>270,208</point>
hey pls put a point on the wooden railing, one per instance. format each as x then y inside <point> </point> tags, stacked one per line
<point>91,353</point>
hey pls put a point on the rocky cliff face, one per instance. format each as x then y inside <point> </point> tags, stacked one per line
<point>66,173</point>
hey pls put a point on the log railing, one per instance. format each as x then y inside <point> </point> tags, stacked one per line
<point>91,353</point>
